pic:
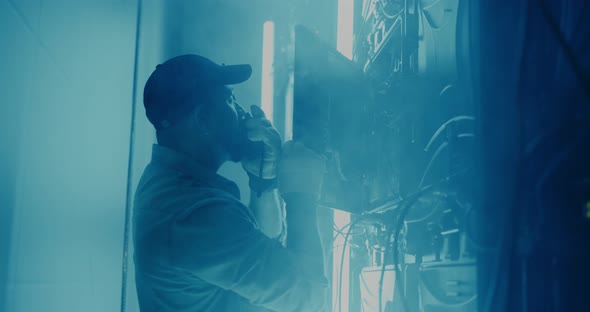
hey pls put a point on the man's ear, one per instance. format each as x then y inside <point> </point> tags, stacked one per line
<point>201,121</point>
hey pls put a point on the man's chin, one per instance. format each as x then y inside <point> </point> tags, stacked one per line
<point>235,157</point>
<point>236,150</point>
<point>235,154</point>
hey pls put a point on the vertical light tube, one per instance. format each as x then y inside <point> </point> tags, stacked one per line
<point>289,108</point>
<point>345,34</point>
<point>340,289</point>
<point>344,43</point>
<point>268,57</point>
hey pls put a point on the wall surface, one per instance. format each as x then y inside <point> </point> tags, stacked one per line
<point>67,73</point>
<point>66,70</point>
<point>151,47</point>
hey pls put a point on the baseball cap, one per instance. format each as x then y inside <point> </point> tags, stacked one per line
<point>168,90</point>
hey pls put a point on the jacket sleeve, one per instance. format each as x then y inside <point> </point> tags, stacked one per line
<point>221,244</point>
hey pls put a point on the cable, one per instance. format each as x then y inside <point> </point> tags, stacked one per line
<point>404,204</point>
<point>342,263</point>
<point>437,153</point>
<point>443,126</point>
<point>405,207</point>
<point>342,233</point>
<point>432,159</point>
<point>128,197</point>
<point>400,223</point>
<point>383,265</point>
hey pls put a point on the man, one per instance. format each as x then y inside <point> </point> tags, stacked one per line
<point>197,247</point>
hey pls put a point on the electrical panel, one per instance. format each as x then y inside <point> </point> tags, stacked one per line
<point>397,124</point>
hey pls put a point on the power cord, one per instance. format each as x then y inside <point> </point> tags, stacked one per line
<point>405,207</point>
<point>352,224</point>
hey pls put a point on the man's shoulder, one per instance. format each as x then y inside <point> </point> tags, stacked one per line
<point>175,192</point>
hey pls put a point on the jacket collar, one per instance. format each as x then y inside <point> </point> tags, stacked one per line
<point>172,159</point>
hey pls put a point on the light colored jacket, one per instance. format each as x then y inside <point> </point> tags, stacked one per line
<point>198,248</point>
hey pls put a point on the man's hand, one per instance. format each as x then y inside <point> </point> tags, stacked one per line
<point>259,129</point>
<point>301,170</point>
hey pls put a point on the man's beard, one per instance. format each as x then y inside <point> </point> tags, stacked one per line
<point>239,147</point>
<point>235,153</point>
<point>236,146</point>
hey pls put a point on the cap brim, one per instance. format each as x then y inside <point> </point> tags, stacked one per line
<point>234,74</point>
